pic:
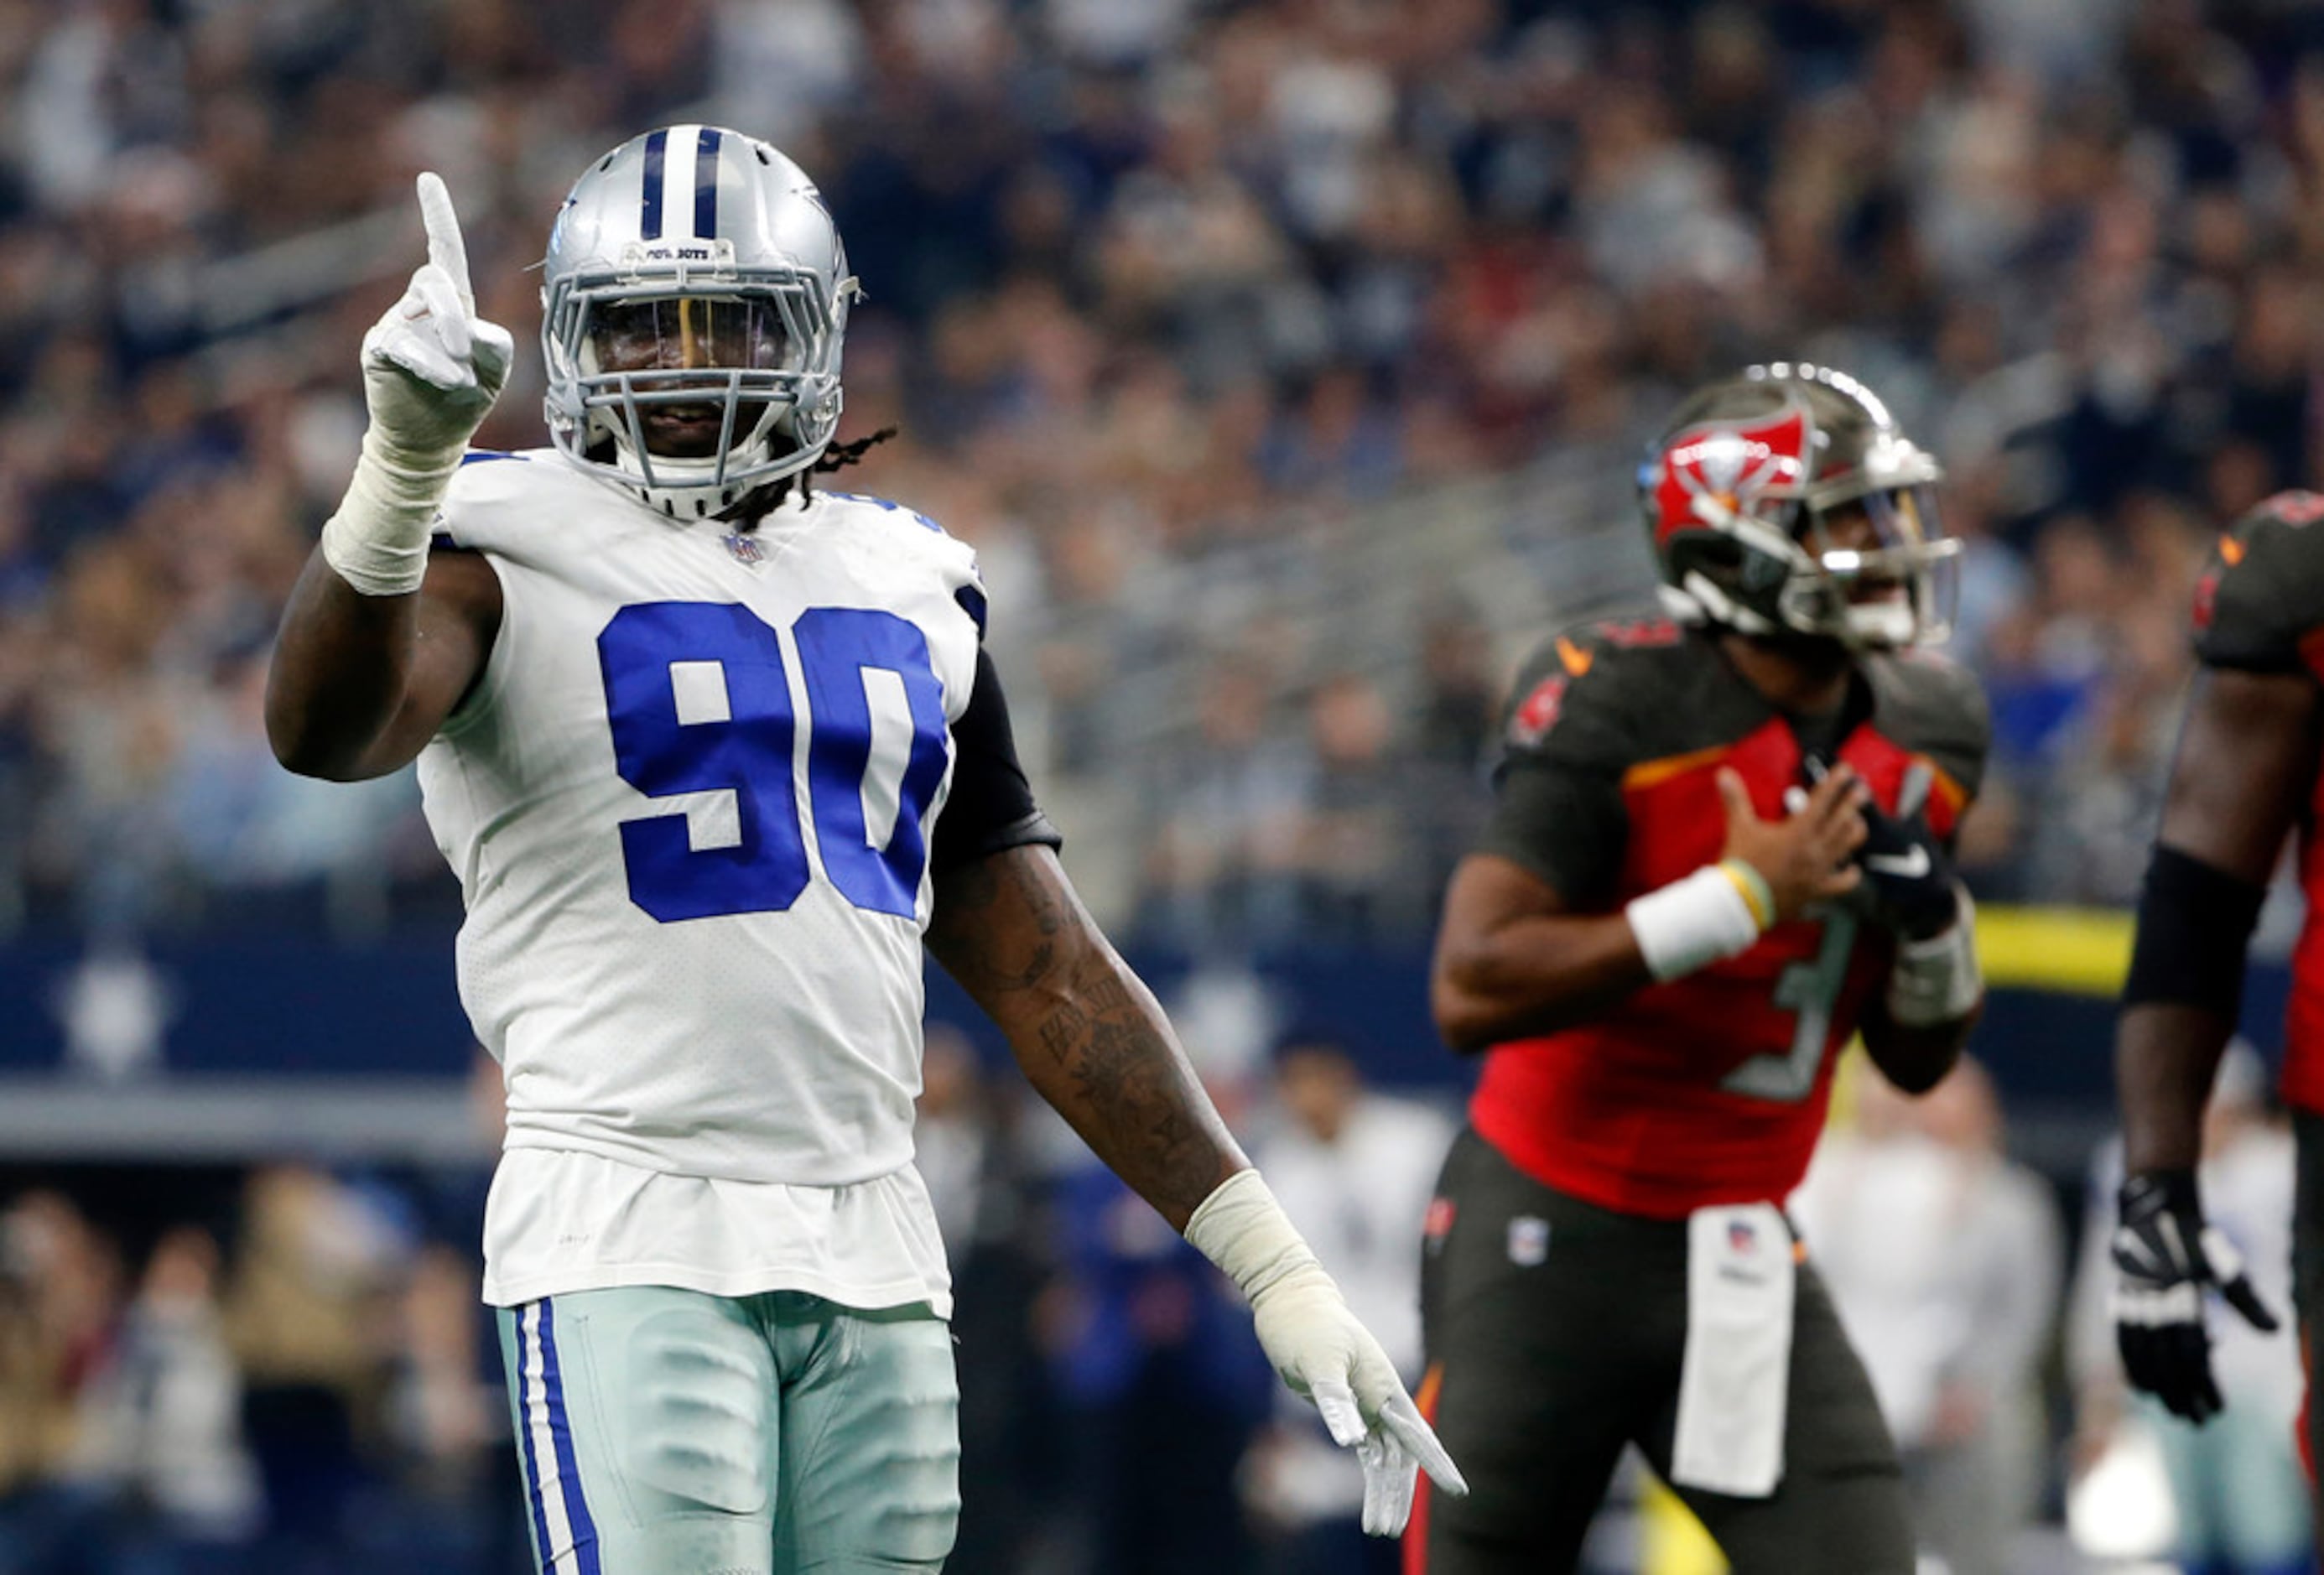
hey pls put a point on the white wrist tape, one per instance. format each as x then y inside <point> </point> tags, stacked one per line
<point>378,540</point>
<point>1720,911</point>
<point>1938,979</point>
<point>1241,1227</point>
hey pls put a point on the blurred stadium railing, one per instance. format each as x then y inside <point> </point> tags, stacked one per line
<point>213,1049</point>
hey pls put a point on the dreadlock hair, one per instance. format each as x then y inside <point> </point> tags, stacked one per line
<point>746,514</point>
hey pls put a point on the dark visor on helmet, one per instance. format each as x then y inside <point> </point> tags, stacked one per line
<point>688,331</point>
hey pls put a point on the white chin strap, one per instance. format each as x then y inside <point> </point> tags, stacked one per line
<point>1872,625</point>
<point>1883,623</point>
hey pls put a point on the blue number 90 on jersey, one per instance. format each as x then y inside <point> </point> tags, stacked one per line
<point>741,738</point>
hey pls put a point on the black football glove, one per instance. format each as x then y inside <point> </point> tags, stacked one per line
<point>2168,1258</point>
<point>1909,873</point>
<point>1908,876</point>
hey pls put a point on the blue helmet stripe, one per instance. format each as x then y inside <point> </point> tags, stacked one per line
<point>706,183</point>
<point>650,215</point>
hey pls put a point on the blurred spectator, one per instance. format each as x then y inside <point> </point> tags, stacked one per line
<point>244,824</point>
<point>161,1424</point>
<point>1229,813</point>
<point>1449,743</point>
<point>953,1138</point>
<point>60,1289</point>
<point>448,1454</point>
<point>1354,1169</point>
<point>1456,713</point>
<point>1162,1383</point>
<point>1360,870</point>
<point>1358,1166</point>
<point>2102,791</point>
<point>1011,1454</point>
<point>2240,1499</point>
<point>309,1313</point>
<point>1944,1259</point>
<point>2047,662</point>
<point>785,63</point>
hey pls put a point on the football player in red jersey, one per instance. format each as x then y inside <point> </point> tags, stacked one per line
<point>1721,849</point>
<point>2247,772</point>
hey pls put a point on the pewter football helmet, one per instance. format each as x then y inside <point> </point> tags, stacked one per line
<point>695,298</point>
<point>1741,495</point>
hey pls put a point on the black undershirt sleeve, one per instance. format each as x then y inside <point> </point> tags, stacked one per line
<point>992,807</point>
<point>1568,825</point>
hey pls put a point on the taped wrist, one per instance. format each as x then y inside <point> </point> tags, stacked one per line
<point>1241,1227</point>
<point>1938,979</point>
<point>377,541</point>
<point>2194,922</point>
<point>1717,912</point>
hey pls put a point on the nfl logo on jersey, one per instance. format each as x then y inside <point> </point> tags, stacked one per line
<point>748,550</point>
<point>1529,1241</point>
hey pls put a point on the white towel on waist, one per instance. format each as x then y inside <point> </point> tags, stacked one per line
<point>1739,1285</point>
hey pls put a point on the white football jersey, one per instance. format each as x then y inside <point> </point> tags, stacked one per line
<point>690,804</point>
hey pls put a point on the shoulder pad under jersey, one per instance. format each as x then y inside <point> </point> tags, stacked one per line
<point>1605,695</point>
<point>2260,602</point>
<point>906,536</point>
<point>1932,706</point>
<point>524,504</point>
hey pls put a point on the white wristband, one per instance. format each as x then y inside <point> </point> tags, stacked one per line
<point>1937,981</point>
<point>378,540</point>
<point>1720,911</point>
<point>1241,1227</point>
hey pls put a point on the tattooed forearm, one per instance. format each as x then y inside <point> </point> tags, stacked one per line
<point>1064,1027</point>
<point>1090,1038</point>
<point>997,921</point>
<point>1111,1065</point>
<point>1067,1026</point>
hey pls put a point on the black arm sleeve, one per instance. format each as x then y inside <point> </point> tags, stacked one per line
<point>2195,923</point>
<point>992,807</point>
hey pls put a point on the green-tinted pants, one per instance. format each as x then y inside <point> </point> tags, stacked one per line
<point>670,1432</point>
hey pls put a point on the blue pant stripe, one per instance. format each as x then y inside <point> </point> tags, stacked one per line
<point>560,1434</point>
<point>650,215</point>
<point>706,183</point>
<point>524,1437</point>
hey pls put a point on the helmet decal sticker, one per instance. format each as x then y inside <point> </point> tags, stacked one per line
<point>1724,469</point>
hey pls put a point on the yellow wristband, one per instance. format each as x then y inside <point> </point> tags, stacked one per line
<point>1756,894</point>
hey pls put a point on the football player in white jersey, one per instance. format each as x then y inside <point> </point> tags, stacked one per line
<point>712,755</point>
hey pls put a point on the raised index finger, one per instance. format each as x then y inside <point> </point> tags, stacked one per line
<point>445,247</point>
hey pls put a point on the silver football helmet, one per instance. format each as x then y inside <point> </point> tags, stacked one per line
<point>1788,502</point>
<point>695,298</point>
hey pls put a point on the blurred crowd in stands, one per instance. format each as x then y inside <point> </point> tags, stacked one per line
<point>1195,317</point>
